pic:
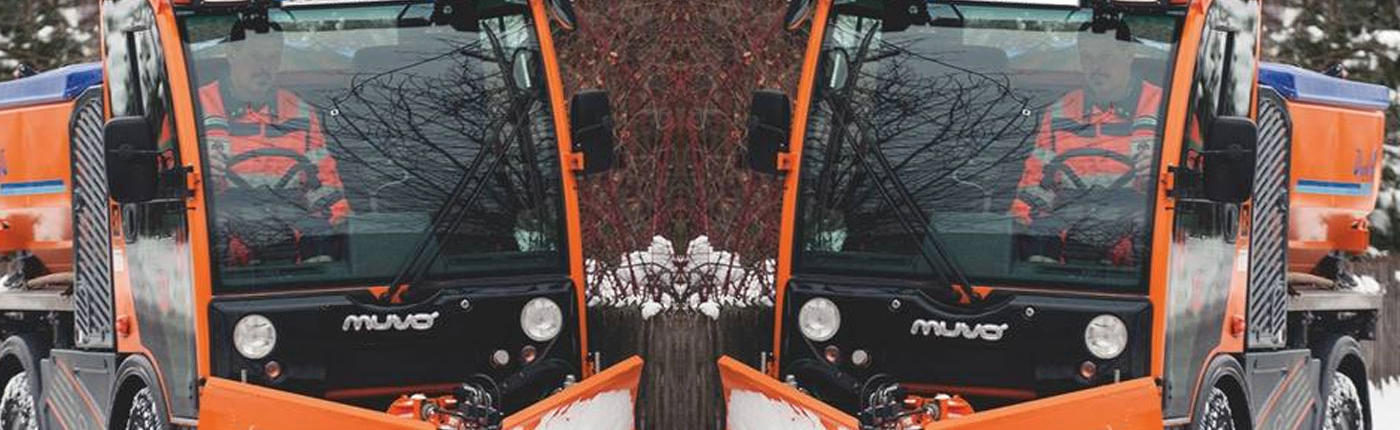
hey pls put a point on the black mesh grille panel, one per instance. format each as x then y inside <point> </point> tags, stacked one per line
<point>92,283</point>
<point>1268,254</point>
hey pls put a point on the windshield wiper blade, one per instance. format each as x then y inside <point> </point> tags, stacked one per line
<point>886,179</point>
<point>455,208</point>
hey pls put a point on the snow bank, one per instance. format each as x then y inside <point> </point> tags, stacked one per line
<point>703,279</point>
<point>1385,404</point>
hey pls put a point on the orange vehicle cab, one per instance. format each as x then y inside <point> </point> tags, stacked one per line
<point>304,214</point>
<point>1063,213</point>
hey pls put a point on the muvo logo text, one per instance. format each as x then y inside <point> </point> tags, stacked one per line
<point>389,322</point>
<point>987,332</point>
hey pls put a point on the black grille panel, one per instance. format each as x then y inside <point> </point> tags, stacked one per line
<point>92,283</point>
<point>1268,255</point>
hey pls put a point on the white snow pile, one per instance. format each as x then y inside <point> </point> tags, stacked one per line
<point>749,410</point>
<point>702,279</point>
<point>610,410</point>
<point>1385,404</point>
<point>1367,284</point>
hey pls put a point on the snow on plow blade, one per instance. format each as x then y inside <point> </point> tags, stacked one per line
<point>602,402</point>
<point>756,401</point>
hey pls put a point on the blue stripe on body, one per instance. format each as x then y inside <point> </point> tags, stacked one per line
<point>1333,188</point>
<point>32,188</point>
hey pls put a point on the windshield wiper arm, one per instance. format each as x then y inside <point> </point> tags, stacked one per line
<point>454,209</point>
<point>886,180</point>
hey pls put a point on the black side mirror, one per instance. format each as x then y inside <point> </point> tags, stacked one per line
<point>1228,173</point>
<point>590,117</point>
<point>770,118</point>
<point>132,169</point>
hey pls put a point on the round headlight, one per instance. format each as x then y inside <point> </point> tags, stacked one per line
<point>541,319</point>
<point>254,336</point>
<point>1106,336</point>
<point>819,319</point>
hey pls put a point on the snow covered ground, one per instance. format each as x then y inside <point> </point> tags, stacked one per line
<point>702,279</point>
<point>1385,404</point>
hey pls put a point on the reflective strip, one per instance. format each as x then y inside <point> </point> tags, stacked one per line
<point>324,196</point>
<point>1041,195</point>
<point>315,155</point>
<point>1045,155</point>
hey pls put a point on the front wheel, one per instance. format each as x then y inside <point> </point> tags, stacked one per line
<point>1215,413</point>
<point>17,404</point>
<point>1344,408</point>
<point>145,413</point>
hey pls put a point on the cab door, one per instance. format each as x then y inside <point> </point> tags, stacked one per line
<point>1208,248</point>
<point>152,260</point>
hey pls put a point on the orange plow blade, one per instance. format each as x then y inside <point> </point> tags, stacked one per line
<point>755,401</point>
<point>1126,405</point>
<point>226,404</point>
<point>602,402</point>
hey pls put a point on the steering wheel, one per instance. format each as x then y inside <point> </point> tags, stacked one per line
<point>1091,217</point>
<point>1060,165</point>
<point>302,166</point>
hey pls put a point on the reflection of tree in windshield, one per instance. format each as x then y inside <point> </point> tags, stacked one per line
<point>415,116</point>
<point>946,117</point>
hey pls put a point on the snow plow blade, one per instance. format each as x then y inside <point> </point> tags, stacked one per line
<point>227,404</point>
<point>1129,405</point>
<point>602,402</point>
<point>754,400</point>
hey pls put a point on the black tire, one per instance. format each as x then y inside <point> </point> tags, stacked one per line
<point>1345,401</point>
<point>146,412</point>
<point>1215,412</point>
<point>22,389</point>
<point>1345,411</point>
<point>17,404</point>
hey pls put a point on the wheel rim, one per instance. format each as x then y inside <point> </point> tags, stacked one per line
<point>1217,414</point>
<point>1344,408</point>
<point>142,415</point>
<point>17,404</point>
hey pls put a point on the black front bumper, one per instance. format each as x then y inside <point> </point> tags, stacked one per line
<point>1020,347</point>
<point>323,352</point>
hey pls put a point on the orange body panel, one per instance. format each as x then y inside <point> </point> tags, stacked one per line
<point>35,200</point>
<point>1341,147</point>
<point>799,120</point>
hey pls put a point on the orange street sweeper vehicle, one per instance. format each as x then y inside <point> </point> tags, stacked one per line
<point>303,214</point>
<point>1104,214</point>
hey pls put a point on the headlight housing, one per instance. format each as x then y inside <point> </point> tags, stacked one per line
<point>541,319</point>
<point>254,336</point>
<point>1106,336</point>
<point>819,319</point>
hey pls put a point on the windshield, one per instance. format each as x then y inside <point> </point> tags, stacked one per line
<point>1021,139</point>
<point>333,135</point>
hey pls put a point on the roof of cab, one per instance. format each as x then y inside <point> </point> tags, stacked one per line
<point>56,85</point>
<point>1298,84</point>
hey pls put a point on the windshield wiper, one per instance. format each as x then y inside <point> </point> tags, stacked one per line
<point>887,182</point>
<point>455,208</point>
